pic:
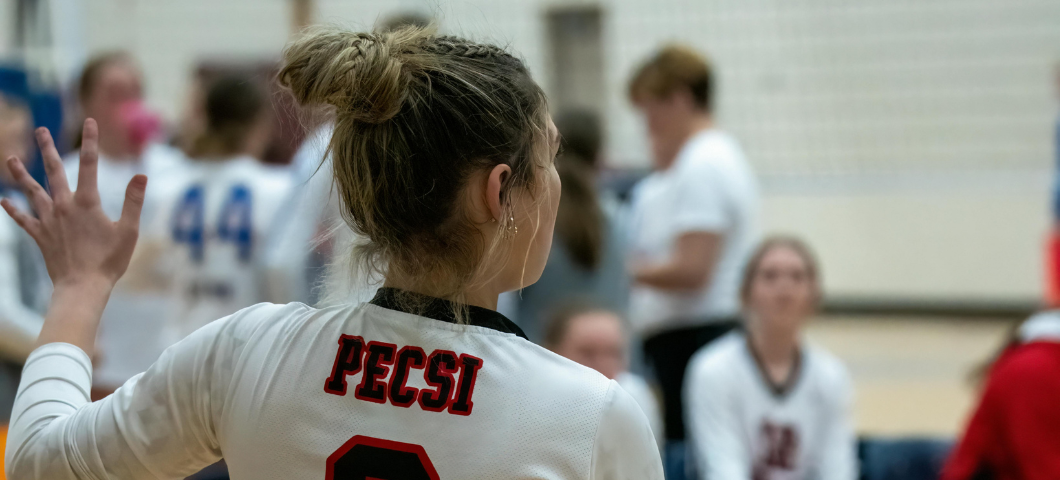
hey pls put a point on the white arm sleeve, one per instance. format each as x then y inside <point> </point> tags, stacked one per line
<point>160,424</point>
<point>719,451</point>
<point>624,448</point>
<point>839,452</point>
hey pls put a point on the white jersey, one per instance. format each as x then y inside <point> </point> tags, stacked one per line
<point>216,221</point>
<point>709,188</point>
<point>358,391</point>
<point>131,323</point>
<point>744,427</point>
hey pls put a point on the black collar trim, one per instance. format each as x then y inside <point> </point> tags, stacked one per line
<point>779,390</point>
<point>442,310</point>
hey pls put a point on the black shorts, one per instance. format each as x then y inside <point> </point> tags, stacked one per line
<point>668,353</point>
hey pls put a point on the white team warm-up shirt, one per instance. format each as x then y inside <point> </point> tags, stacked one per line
<point>359,391</point>
<point>709,188</point>
<point>132,322</point>
<point>742,427</point>
<point>216,222</point>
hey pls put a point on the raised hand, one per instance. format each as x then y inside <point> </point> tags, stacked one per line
<point>77,239</point>
<point>85,252</point>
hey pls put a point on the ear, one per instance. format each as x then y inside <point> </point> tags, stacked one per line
<point>494,183</point>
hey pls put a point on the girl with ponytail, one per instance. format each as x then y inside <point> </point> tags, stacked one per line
<point>443,157</point>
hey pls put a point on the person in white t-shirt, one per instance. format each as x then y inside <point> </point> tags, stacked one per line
<point>110,91</point>
<point>444,158</point>
<point>766,404</point>
<point>693,225</point>
<point>596,337</point>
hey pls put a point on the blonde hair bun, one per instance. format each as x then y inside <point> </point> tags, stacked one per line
<point>365,76</point>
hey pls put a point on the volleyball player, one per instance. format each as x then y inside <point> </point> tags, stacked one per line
<point>766,404</point>
<point>442,152</point>
<point>219,214</point>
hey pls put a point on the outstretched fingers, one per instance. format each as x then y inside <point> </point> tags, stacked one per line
<point>37,196</point>
<point>53,165</point>
<point>87,188</point>
<point>27,222</point>
<point>134,203</point>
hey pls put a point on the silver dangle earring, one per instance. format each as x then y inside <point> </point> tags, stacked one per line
<point>510,230</point>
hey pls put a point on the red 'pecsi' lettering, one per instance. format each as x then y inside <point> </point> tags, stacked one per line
<point>385,373</point>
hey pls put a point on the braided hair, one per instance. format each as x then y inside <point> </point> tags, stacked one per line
<point>416,114</point>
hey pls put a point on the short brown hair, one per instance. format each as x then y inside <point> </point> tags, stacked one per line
<point>416,114</point>
<point>675,67</point>
<point>779,241</point>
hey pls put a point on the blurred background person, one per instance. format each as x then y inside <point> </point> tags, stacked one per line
<point>766,404</point>
<point>23,284</point>
<point>586,262</point>
<point>1014,433</point>
<point>220,213</point>
<point>597,338</point>
<point>693,225</point>
<point>110,90</point>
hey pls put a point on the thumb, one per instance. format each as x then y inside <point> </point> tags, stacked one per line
<point>134,202</point>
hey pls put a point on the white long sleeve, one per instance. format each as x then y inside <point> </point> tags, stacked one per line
<point>160,424</point>
<point>625,447</point>
<point>720,448</point>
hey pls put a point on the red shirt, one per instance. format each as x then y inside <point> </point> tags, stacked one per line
<point>1015,432</point>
